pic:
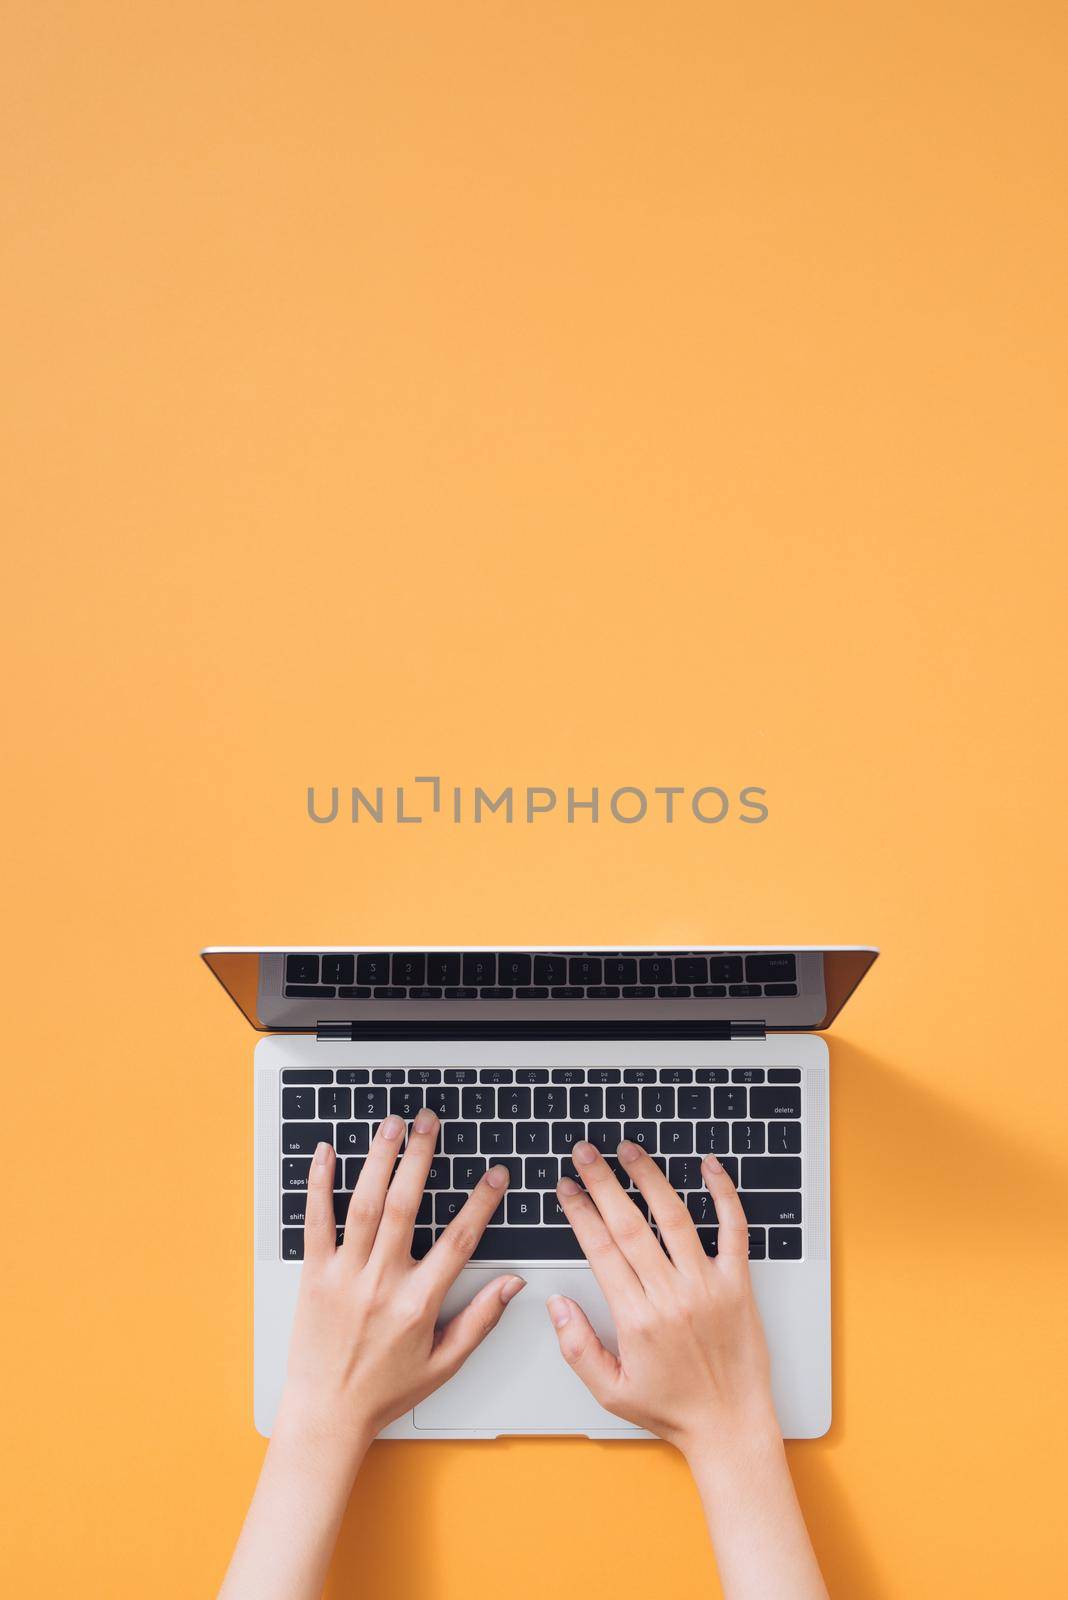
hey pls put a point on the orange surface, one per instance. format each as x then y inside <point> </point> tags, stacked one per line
<point>571,393</point>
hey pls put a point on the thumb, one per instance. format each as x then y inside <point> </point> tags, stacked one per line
<point>581,1349</point>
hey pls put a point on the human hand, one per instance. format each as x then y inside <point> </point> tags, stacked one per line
<point>693,1362</point>
<point>365,1347</point>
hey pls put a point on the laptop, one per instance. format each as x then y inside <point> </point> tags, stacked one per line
<point>522,1052</point>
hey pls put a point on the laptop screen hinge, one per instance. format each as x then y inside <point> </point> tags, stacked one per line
<point>748,1030</point>
<point>555,1030</point>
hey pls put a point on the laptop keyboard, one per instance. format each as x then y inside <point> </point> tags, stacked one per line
<point>517,975</point>
<point>529,1119</point>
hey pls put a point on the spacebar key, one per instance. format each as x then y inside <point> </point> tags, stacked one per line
<point>528,1244</point>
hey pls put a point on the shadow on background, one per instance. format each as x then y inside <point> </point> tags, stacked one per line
<point>916,1180</point>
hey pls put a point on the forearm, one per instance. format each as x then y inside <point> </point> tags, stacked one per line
<point>755,1523</point>
<point>292,1525</point>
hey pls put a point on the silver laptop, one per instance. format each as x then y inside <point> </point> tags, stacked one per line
<point>522,1052</point>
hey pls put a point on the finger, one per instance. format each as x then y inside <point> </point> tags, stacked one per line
<point>733,1227</point>
<point>402,1199</point>
<point>669,1212</point>
<point>319,1207</point>
<point>622,1218</point>
<point>453,1248</point>
<point>467,1329</point>
<point>619,1283</point>
<point>365,1207</point>
<point>581,1349</point>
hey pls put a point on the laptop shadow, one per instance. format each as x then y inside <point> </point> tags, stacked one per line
<point>916,1178</point>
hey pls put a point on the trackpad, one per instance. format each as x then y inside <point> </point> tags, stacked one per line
<point>517,1381</point>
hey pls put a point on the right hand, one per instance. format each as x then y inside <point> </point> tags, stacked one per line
<point>693,1362</point>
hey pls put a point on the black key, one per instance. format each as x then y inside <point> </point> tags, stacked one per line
<point>622,1102</point>
<point>480,970</point>
<point>713,1138</point>
<point>553,1212</point>
<point>567,992</point>
<point>442,967</point>
<point>447,1203</point>
<point>745,991</point>
<point>771,1172</point>
<point>673,991</point>
<point>532,1075</point>
<point>696,1103</point>
<point>495,993</point>
<point>341,1207</point>
<point>550,1102</point>
<point>496,1139</point>
<point>676,1074</point>
<point>584,970</point>
<point>531,992</point>
<point>513,1165</point>
<point>461,994</point>
<point>422,1239</point>
<point>353,1167</point>
<point>513,968</point>
<point>730,1102</point>
<point>372,969</point>
<point>702,1208</point>
<point>408,969</point>
<point>532,1138</point>
<point>523,1207</point>
<point>784,1074</point>
<point>730,1167</point>
<point>758,1244</point>
<point>656,969</point>
<point>336,1104</point>
<point>425,992</point>
<point>461,1075</point>
<point>602,1074</point>
<point>776,1102</point>
<point>658,1101</point>
<point>353,1075</point>
<point>602,991</point>
<point>784,1244</point>
<point>724,969</point>
<point>711,1074</point>
<point>643,1133</point>
<point>541,1172</point>
<point>709,1238</point>
<point>298,1102</point>
<point>445,1102</point>
<point>295,1173</point>
<point>495,1075</point>
<point>468,1170</point>
<point>771,969</point>
<point>370,1103</point>
<point>309,991</point>
<point>480,1102</point>
<point>338,969</point>
<point>390,992</point>
<point>461,1138</point>
<point>339,1237</point>
<point>747,1138</point>
<point>514,1103</point>
<point>676,1138</point>
<point>424,1075</point>
<point>406,1100</point>
<point>302,968</point>
<point>528,1244</point>
<point>307,1075</point>
<point>747,1075</point>
<point>761,1207</point>
<point>639,1075</point>
<point>292,1244</point>
<point>620,969</point>
<point>784,1138</point>
<point>438,1176</point>
<point>639,991</point>
<point>780,991</point>
<point>710,991</point>
<point>550,969</point>
<point>388,1075</point>
<point>691,969</point>
<point>293,1209</point>
<point>586,1102</point>
<point>569,1074</point>
<point>604,1136</point>
<point>352,1139</point>
<point>354,991</point>
<point>300,1138</point>
<point>684,1172</point>
<point>566,1135</point>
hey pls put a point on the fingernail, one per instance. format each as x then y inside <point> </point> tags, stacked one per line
<point>559,1310</point>
<point>392,1128</point>
<point>511,1287</point>
<point>584,1153</point>
<point>497,1177</point>
<point>629,1153</point>
<point>713,1165</point>
<point>568,1186</point>
<point>424,1121</point>
<point>322,1154</point>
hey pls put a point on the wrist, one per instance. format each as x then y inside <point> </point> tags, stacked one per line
<point>716,1446</point>
<point>315,1437</point>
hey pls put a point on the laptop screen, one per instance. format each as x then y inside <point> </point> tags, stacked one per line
<point>557,990</point>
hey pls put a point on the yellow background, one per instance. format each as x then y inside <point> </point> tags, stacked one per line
<point>533,393</point>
